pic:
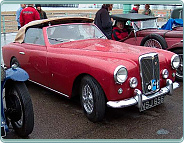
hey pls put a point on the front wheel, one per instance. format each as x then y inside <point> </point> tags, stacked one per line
<point>19,109</point>
<point>179,71</point>
<point>92,99</point>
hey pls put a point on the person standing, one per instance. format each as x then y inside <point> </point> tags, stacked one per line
<point>147,10</point>
<point>22,6</point>
<point>103,21</point>
<point>135,8</point>
<point>41,12</point>
<point>28,14</point>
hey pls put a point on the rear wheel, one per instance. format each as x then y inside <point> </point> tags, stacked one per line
<point>179,71</point>
<point>92,99</point>
<point>154,41</point>
<point>19,109</point>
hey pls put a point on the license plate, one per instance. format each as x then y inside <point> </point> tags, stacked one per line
<point>152,103</point>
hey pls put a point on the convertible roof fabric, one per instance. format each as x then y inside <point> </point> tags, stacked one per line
<point>46,22</point>
<point>132,17</point>
<point>171,22</point>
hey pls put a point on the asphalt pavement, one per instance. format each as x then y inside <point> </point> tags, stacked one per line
<point>57,117</point>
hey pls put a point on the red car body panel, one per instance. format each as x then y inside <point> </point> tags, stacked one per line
<point>171,37</point>
<point>58,66</point>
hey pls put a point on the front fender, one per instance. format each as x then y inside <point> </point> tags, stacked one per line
<point>16,74</point>
<point>176,45</point>
<point>104,74</point>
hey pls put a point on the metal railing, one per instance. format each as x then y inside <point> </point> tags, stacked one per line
<point>9,24</point>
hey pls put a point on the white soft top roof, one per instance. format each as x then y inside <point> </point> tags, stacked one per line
<point>46,22</point>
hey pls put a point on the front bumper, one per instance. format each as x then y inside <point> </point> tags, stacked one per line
<point>139,98</point>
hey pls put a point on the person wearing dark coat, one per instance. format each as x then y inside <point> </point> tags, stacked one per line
<point>41,12</point>
<point>135,8</point>
<point>103,21</point>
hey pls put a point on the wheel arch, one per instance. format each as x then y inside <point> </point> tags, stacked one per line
<point>77,83</point>
<point>12,59</point>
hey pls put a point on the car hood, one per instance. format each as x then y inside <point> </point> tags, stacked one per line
<point>163,33</point>
<point>110,49</point>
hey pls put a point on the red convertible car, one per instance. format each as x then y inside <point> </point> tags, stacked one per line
<point>72,57</point>
<point>143,31</point>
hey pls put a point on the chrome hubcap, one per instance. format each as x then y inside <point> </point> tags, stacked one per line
<point>153,43</point>
<point>87,99</point>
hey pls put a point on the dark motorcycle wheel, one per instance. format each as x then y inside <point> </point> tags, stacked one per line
<point>19,108</point>
<point>92,99</point>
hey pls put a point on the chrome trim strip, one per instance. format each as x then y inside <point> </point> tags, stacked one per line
<point>139,97</point>
<point>49,88</point>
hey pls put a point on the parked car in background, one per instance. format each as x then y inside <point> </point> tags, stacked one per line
<point>72,57</point>
<point>144,31</point>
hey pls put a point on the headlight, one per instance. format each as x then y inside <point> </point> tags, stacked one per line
<point>3,73</point>
<point>133,82</point>
<point>165,73</point>
<point>120,74</point>
<point>175,61</point>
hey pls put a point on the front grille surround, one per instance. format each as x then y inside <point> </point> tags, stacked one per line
<point>150,73</point>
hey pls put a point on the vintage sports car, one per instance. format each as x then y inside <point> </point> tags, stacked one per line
<point>72,57</point>
<point>144,31</point>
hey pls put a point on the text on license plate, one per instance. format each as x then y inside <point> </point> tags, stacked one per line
<point>152,103</point>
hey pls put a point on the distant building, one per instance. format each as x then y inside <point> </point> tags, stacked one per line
<point>115,6</point>
<point>59,5</point>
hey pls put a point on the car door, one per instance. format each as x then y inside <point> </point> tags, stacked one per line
<point>36,55</point>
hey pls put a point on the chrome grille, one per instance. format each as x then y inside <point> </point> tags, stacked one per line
<point>149,71</point>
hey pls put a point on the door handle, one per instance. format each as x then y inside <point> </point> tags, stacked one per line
<point>22,53</point>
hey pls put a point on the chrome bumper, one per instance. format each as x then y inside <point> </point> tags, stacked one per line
<point>139,98</point>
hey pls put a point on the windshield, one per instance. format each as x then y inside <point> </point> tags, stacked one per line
<point>139,25</point>
<point>72,32</point>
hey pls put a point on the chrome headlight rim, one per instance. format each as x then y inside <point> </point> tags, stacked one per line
<point>175,58</point>
<point>133,82</point>
<point>116,76</point>
<point>165,73</point>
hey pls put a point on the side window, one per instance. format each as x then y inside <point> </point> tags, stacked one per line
<point>34,36</point>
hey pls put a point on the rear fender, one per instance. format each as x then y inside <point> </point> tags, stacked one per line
<point>175,46</point>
